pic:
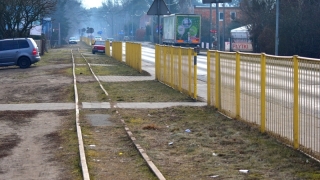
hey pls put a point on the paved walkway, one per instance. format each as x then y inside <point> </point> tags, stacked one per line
<point>146,66</point>
<point>202,96</point>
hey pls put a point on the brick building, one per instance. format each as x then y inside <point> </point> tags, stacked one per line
<point>226,16</point>
<point>231,13</point>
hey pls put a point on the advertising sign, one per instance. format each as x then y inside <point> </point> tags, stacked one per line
<point>239,46</point>
<point>36,30</point>
<point>187,29</point>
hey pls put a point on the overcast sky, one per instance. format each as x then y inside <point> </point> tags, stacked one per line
<point>91,3</point>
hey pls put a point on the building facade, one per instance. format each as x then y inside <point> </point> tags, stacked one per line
<point>228,14</point>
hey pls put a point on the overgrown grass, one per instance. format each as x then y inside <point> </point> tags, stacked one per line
<point>109,152</point>
<point>91,92</point>
<point>55,56</point>
<point>68,153</point>
<point>143,91</point>
<point>215,145</point>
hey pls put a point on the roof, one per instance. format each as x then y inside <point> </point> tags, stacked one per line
<point>240,29</point>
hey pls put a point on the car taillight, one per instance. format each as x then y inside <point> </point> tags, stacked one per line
<point>34,51</point>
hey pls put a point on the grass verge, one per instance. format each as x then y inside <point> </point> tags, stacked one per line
<point>198,142</point>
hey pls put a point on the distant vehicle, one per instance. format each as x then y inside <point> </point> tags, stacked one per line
<point>126,38</point>
<point>99,46</point>
<point>182,30</point>
<point>110,40</point>
<point>72,40</point>
<point>98,38</point>
<point>18,51</point>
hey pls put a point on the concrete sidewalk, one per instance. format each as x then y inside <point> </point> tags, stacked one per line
<point>146,66</point>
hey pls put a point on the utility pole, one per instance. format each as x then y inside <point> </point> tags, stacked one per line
<point>224,27</point>
<point>217,16</point>
<point>59,37</point>
<point>217,26</point>
<point>210,39</point>
<point>277,28</point>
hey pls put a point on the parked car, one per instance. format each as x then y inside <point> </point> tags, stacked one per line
<point>99,46</point>
<point>20,52</point>
<point>72,40</point>
<point>126,38</point>
<point>110,39</point>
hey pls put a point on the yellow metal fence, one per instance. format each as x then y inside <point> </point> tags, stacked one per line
<point>176,67</point>
<point>279,94</point>
<point>87,40</point>
<point>107,48</point>
<point>133,55</point>
<point>117,50</point>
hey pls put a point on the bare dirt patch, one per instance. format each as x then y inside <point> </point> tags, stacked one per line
<point>33,144</point>
<point>37,84</point>
<point>26,148</point>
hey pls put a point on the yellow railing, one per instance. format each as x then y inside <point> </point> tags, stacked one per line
<point>87,40</point>
<point>279,94</point>
<point>107,48</point>
<point>133,55</point>
<point>117,50</point>
<point>177,67</point>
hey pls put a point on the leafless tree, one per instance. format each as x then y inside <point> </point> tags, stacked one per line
<point>17,17</point>
<point>185,7</point>
<point>299,27</point>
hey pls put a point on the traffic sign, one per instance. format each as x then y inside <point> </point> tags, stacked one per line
<point>158,7</point>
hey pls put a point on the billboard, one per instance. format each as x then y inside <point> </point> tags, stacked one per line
<point>36,30</point>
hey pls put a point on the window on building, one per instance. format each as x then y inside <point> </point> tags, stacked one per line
<point>233,15</point>
<point>221,16</point>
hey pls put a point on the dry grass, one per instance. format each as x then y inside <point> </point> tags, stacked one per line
<point>215,145</point>
<point>110,153</point>
<point>143,91</point>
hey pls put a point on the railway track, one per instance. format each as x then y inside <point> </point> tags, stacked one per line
<point>127,152</point>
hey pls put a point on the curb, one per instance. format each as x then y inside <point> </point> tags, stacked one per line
<point>144,155</point>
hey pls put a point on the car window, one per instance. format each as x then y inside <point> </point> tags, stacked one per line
<point>99,43</point>
<point>23,43</point>
<point>9,45</point>
<point>33,43</point>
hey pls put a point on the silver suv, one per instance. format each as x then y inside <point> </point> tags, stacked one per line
<point>21,52</point>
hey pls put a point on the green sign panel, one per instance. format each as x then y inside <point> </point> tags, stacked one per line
<point>188,29</point>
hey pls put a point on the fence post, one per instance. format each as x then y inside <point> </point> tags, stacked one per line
<point>195,78</point>
<point>208,78</point>
<point>180,70</point>
<point>157,62</point>
<point>296,112</point>
<point>263,92</point>
<point>140,58</point>
<point>171,66</point>
<point>189,70</point>
<point>218,81</point>
<point>237,84</point>
<point>120,49</point>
